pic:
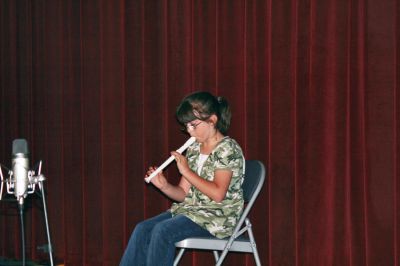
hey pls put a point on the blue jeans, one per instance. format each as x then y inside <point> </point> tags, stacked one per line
<point>153,240</point>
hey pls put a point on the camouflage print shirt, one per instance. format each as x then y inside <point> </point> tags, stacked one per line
<point>218,218</point>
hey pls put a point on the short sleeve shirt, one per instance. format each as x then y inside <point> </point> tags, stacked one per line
<point>219,218</point>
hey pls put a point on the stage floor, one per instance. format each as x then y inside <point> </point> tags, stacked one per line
<point>14,262</point>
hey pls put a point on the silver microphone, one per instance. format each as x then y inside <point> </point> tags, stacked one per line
<point>20,168</point>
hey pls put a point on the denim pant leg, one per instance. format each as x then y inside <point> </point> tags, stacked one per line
<point>164,235</point>
<point>136,251</point>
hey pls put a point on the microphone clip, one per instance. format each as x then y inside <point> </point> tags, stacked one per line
<point>33,180</point>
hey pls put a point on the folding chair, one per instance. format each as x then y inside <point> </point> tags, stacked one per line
<point>252,184</point>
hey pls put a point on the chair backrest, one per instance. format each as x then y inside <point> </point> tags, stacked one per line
<point>253,179</point>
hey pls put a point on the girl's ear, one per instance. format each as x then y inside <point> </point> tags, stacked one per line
<point>213,119</point>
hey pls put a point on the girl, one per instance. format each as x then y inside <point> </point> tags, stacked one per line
<point>208,198</point>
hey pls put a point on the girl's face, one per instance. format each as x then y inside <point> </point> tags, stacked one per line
<point>201,130</point>
<point>197,128</point>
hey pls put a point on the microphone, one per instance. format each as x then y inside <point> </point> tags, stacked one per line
<point>20,169</point>
<point>170,159</point>
<point>21,182</point>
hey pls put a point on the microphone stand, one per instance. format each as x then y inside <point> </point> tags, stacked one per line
<point>50,249</point>
<point>39,180</point>
<point>21,215</point>
<point>33,180</point>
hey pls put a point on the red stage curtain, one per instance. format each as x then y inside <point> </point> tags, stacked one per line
<point>314,88</point>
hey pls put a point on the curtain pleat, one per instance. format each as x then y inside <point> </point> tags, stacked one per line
<point>313,87</point>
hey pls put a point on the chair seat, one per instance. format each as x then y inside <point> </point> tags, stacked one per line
<point>241,244</point>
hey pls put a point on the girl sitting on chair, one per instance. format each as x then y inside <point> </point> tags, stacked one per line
<point>209,198</point>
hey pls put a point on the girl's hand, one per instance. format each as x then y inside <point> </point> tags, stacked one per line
<point>181,162</point>
<point>159,180</point>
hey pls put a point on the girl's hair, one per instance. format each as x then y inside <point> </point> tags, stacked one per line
<point>201,105</point>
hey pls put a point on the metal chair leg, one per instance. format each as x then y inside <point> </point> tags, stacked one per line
<point>216,255</point>
<point>179,256</point>
<point>253,243</point>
